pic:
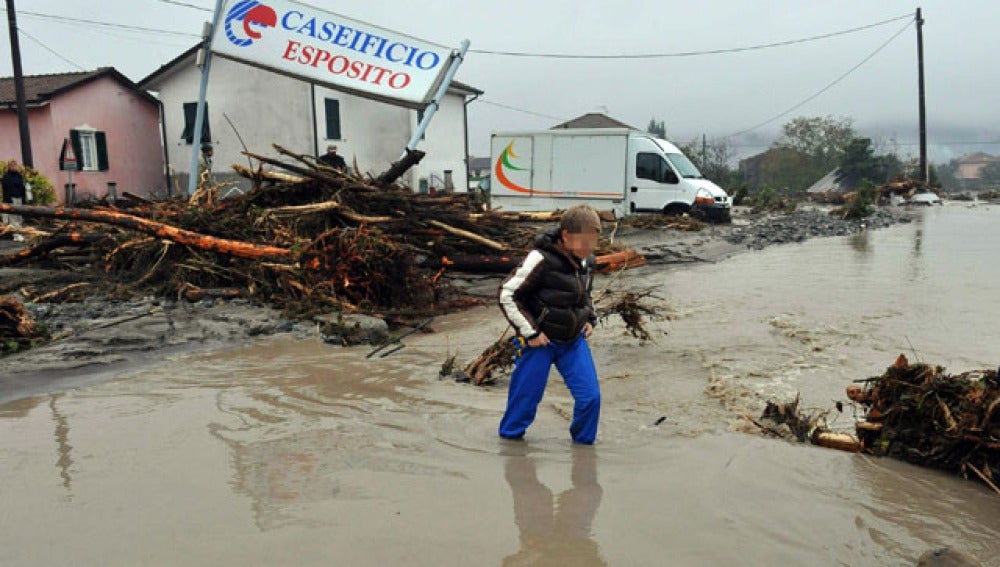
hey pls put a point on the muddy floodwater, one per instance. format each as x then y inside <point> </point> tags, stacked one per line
<point>293,452</point>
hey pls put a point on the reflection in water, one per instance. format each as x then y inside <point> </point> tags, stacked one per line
<point>63,448</point>
<point>860,242</point>
<point>555,531</point>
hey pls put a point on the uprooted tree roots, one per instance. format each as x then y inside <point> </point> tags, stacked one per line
<point>17,329</point>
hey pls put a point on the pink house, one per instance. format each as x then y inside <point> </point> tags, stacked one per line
<point>113,126</point>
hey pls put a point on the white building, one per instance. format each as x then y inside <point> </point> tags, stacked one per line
<point>267,108</point>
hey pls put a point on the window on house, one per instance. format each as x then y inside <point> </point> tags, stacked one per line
<point>190,114</point>
<point>91,148</point>
<point>332,113</point>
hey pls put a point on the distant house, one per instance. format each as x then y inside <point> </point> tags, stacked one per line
<point>779,168</point>
<point>593,120</point>
<point>970,167</point>
<point>829,184</point>
<point>112,124</point>
<point>259,108</point>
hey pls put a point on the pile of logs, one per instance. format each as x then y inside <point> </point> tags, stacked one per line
<point>308,239</point>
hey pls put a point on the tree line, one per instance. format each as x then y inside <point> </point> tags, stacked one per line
<point>808,149</point>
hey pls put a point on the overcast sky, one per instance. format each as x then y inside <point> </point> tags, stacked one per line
<point>716,95</point>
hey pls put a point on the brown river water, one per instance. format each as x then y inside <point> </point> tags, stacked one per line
<point>293,452</point>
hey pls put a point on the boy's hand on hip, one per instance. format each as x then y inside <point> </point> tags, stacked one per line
<point>588,330</point>
<point>540,340</point>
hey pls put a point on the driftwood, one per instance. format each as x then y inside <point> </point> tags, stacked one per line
<point>201,241</point>
<point>469,235</point>
<point>14,320</point>
<point>193,294</point>
<point>398,168</point>
<point>304,171</point>
<point>72,239</point>
<point>474,263</point>
<point>265,175</point>
<point>622,260</point>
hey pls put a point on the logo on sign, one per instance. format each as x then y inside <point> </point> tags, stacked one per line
<point>245,21</point>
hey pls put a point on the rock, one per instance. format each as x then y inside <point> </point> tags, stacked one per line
<point>946,557</point>
<point>352,328</point>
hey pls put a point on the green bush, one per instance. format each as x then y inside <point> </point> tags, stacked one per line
<point>764,199</point>
<point>42,192</point>
<point>863,201</point>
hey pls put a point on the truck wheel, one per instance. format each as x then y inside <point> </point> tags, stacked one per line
<point>675,209</point>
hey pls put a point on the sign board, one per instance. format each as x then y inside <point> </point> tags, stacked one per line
<point>322,47</point>
<point>67,157</point>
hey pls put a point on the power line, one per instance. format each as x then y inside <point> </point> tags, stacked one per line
<point>824,89</point>
<point>516,109</point>
<point>47,48</point>
<point>67,19</point>
<point>691,53</point>
<point>186,5</point>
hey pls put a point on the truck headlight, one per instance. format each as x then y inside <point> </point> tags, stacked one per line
<point>703,197</point>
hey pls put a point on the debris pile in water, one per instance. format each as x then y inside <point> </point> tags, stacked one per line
<point>920,414</point>
<point>913,412</point>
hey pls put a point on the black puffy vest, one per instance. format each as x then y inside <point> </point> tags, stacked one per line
<point>561,303</point>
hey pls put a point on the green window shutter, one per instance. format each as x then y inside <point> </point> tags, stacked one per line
<point>332,107</point>
<point>190,114</point>
<point>74,140</point>
<point>102,151</point>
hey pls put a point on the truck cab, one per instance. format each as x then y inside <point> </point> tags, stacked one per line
<point>662,179</point>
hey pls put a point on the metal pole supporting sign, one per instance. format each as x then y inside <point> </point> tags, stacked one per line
<point>199,120</point>
<point>456,59</point>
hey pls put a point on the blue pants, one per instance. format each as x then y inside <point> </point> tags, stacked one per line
<point>527,384</point>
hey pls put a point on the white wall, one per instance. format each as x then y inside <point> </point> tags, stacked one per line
<point>264,107</point>
<point>269,108</point>
<point>373,132</point>
<point>444,144</point>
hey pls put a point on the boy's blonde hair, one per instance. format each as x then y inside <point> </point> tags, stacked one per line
<point>580,218</point>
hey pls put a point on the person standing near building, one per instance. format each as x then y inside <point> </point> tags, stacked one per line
<point>205,165</point>
<point>547,301</point>
<point>332,159</point>
<point>14,193</point>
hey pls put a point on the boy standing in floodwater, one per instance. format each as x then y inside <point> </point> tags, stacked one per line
<point>547,300</point>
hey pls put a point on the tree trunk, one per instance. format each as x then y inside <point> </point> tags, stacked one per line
<point>196,240</point>
<point>398,168</point>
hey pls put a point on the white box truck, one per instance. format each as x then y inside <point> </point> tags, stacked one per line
<point>607,168</point>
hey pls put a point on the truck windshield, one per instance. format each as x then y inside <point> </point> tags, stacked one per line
<point>684,166</point>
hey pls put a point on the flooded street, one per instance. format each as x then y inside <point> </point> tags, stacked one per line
<point>293,452</point>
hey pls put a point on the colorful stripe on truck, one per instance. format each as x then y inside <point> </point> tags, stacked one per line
<point>504,162</point>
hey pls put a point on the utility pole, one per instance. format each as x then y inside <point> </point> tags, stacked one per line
<point>704,150</point>
<point>923,112</point>
<point>22,108</point>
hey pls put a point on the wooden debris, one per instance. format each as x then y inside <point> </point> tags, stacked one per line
<point>917,413</point>
<point>17,329</point>
<point>469,235</point>
<point>621,260</point>
<point>920,414</point>
<point>160,230</point>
